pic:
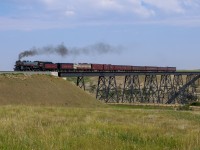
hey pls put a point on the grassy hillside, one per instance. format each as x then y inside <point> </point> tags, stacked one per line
<point>42,90</point>
<point>56,128</point>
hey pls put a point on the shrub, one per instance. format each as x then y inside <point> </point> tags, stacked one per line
<point>195,104</point>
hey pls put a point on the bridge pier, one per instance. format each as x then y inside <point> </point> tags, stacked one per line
<point>107,89</point>
<point>150,89</point>
<point>177,84</point>
<point>101,88</point>
<point>132,90</point>
<point>165,88</point>
<point>112,93</point>
<point>127,95</point>
<point>181,92</point>
<point>80,82</point>
<point>192,87</point>
<point>190,91</point>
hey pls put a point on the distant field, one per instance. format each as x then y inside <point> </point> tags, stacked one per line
<point>188,70</point>
<point>38,127</point>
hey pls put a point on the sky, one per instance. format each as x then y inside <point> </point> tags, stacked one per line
<point>140,32</point>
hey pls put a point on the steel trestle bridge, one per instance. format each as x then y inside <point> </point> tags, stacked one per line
<point>143,87</point>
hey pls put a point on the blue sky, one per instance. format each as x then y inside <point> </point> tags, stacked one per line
<point>149,32</point>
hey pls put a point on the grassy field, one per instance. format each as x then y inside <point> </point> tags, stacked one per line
<point>188,70</point>
<point>46,113</point>
<point>57,128</point>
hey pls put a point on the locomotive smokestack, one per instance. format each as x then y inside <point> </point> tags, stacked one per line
<point>62,50</point>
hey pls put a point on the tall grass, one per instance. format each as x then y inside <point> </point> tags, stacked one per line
<point>26,127</point>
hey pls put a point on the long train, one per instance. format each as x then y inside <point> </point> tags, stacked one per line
<point>67,67</point>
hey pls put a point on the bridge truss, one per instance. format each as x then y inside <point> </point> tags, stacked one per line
<point>143,87</point>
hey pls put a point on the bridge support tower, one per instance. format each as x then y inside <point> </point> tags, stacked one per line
<point>80,82</point>
<point>132,90</point>
<point>107,89</point>
<point>150,89</point>
<point>165,88</point>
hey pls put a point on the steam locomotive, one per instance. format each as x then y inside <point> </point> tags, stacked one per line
<point>67,67</point>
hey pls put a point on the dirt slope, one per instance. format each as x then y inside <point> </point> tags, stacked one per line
<point>42,90</point>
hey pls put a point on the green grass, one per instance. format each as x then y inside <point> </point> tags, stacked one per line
<point>46,128</point>
<point>128,106</point>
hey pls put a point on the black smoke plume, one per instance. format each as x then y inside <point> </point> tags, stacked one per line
<point>62,50</point>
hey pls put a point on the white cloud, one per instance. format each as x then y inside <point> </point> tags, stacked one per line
<point>29,24</point>
<point>50,2</point>
<point>108,4</point>
<point>69,13</point>
<point>169,6</point>
<point>137,7</point>
<point>191,3</point>
<point>140,8</point>
<point>62,13</point>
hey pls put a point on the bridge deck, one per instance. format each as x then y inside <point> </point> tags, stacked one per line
<point>78,74</point>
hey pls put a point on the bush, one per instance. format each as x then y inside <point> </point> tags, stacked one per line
<point>187,106</point>
<point>184,107</point>
<point>195,104</point>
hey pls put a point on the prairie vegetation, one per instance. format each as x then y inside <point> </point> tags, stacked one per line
<point>44,112</point>
<point>39,127</point>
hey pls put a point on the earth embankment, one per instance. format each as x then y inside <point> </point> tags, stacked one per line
<point>42,90</point>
